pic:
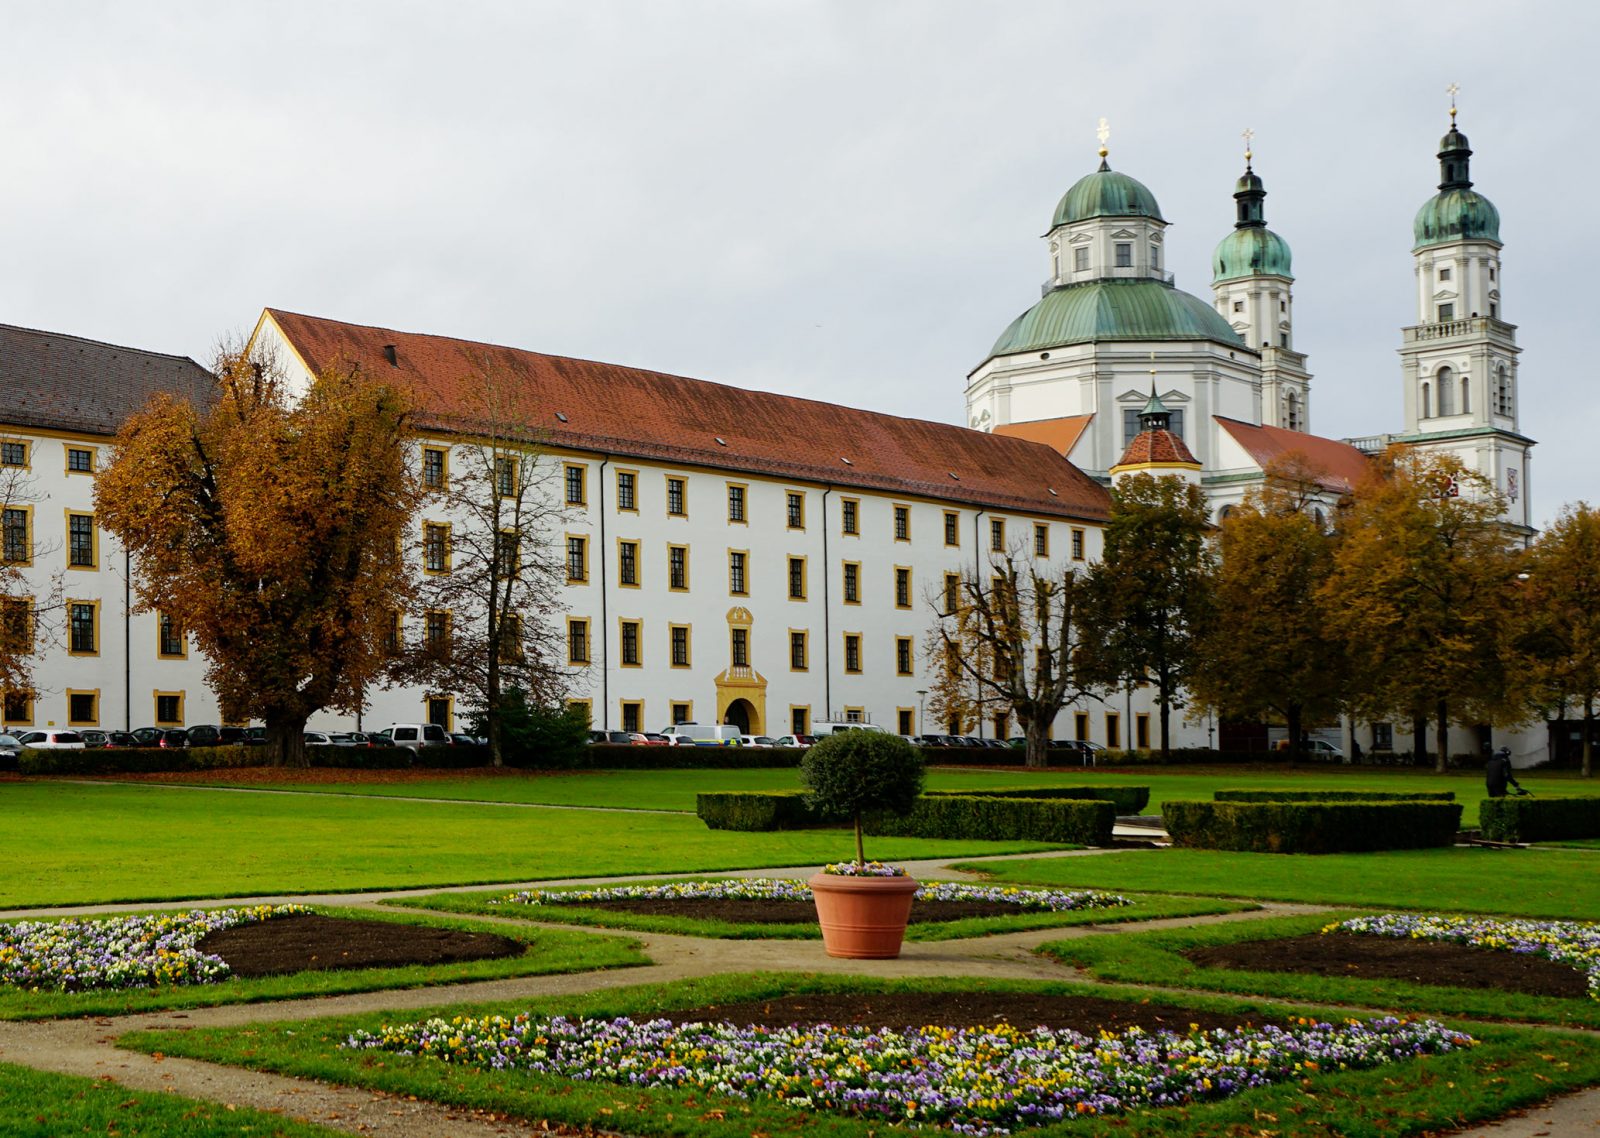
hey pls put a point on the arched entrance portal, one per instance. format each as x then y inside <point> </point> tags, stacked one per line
<point>741,714</point>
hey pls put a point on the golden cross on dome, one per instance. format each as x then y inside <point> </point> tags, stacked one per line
<point>1103,133</point>
<point>1451,91</point>
<point>1248,136</point>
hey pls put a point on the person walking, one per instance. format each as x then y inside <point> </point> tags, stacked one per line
<point>1497,773</point>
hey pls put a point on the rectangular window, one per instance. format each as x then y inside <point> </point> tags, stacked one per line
<point>435,548</point>
<point>577,485</point>
<point>1113,730</point>
<point>904,717</point>
<point>952,528</point>
<point>1001,724</point>
<point>577,559</point>
<point>83,619</point>
<point>436,633</point>
<point>675,501</point>
<point>678,567</point>
<point>1155,261</point>
<point>798,655</point>
<point>852,652</point>
<point>1080,258</point>
<point>952,593</point>
<point>630,644</point>
<point>439,711</point>
<point>902,587</point>
<point>739,647</point>
<point>15,545</point>
<point>850,516</point>
<point>1238,306</point>
<point>997,535</point>
<point>1124,251</point>
<point>797,578</point>
<point>736,500</point>
<point>16,625</point>
<point>1077,545</point>
<point>169,708</point>
<point>632,713</point>
<point>852,583</point>
<point>627,483</point>
<point>393,635</point>
<point>511,651</point>
<point>682,712</point>
<point>902,655</point>
<point>800,720</point>
<point>1041,540</point>
<point>628,563</point>
<point>1141,729</point>
<point>507,554</point>
<point>736,578</point>
<point>18,707</point>
<point>169,636</point>
<point>1444,273</point>
<point>577,641</point>
<point>433,469</point>
<point>795,509</point>
<point>81,708</point>
<point>505,476</point>
<point>678,634</point>
<point>584,706</point>
<point>902,523</point>
<point>80,541</point>
<point>80,461</point>
<point>1080,726</point>
<point>1447,312</point>
<point>13,454</point>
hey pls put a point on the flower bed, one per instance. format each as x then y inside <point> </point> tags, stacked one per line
<point>121,952</point>
<point>971,1080</point>
<point>1566,942</point>
<point>791,889</point>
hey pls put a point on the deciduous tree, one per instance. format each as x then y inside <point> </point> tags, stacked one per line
<point>270,528</point>
<point>1558,616</point>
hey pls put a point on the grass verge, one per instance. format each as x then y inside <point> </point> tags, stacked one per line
<point>1157,958</point>
<point>1555,884</point>
<point>549,951</point>
<point>1145,907</point>
<point>1511,1068</point>
<point>41,1104</point>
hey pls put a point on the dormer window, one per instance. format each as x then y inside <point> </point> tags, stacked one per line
<point>1155,258</point>
<point>1124,255</point>
<point>1080,259</point>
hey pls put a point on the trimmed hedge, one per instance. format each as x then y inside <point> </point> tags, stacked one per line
<point>133,760</point>
<point>1059,821</point>
<point>1333,796</point>
<point>1127,799</point>
<point>1539,819</point>
<point>1311,827</point>
<point>771,810</point>
<point>373,758</point>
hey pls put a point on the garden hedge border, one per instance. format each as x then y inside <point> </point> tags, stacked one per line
<point>1058,821</point>
<point>1311,827</point>
<point>151,760</point>
<point>757,810</point>
<point>1127,799</point>
<point>1539,819</point>
<point>1333,796</point>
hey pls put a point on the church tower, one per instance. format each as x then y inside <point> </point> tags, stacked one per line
<point>1252,283</point>
<point>1459,361</point>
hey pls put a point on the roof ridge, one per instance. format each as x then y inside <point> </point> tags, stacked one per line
<point>96,343</point>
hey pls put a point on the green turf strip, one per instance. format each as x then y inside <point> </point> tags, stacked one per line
<point>1556,884</point>
<point>1512,1067</point>
<point>549,951</point>
<point>1143,908</point>
<point>38,1104</point>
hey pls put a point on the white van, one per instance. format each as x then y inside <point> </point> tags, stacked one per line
<point>702,734</point>
<point>833,727</point>
<point>415,736</point>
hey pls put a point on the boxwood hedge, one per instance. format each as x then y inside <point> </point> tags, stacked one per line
<point>1127,799</point>
<point>1062,821</point>
<point>1333,796</point>
<point>766,810</point>
<point>1311,827</point>
<point>1539,819</point>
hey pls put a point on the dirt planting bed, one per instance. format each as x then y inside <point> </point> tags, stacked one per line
<point>312,942</point>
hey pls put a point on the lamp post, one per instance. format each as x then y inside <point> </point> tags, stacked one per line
<point>922,699</point>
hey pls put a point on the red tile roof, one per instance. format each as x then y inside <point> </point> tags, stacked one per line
<point>610,409</point>
<point>1342,464</point>
<point>1161,447</point>
<point>1060,435</point>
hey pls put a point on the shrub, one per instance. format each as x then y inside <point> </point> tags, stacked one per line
<point>1060,821</point>
<point>852,772</point>
<point>133,760</point>
<point>1333,796</point>
<point>1539,819</point>
<point>1311,827</point>
<point>368,758</point>
<point>546,738</point>
<point>1127,799</point>
<point>772,810</point>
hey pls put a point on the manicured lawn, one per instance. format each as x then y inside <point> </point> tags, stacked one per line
<point>43,1105</point>
<point>1156,958</point>
<point>67,843</point>
<point>549,951</point>
<point>1510,1068</point>
<point>1528,883</point>
<point>1145,907</point>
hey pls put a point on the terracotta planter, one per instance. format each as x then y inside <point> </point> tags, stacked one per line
<point>862,918</point>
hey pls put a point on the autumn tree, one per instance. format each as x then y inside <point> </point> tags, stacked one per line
<point>1148,596</point>
<point>1267,649</point>
<point>1013,639</point>
<point>1419,593</point>
<point>487,604</point>
<point>269,527</point>
<point>30,598</point>
<point>1557,629</point>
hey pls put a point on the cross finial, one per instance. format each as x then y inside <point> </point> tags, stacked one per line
<point>1248,136</point>
<point>1451,91</point>
<point>1103,133</point>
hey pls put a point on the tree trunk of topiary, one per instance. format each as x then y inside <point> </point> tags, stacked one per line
<point>861,857</point>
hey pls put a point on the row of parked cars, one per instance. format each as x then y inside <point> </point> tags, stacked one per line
<point>658,739</point>
<point>204,735</point>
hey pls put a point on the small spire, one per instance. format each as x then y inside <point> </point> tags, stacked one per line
<point>1451,91</point>
<point>1248,136</point>
<point>1103,133</point>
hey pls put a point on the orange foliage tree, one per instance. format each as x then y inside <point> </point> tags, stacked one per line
<point>1558,617</point>
<point>270,528</point>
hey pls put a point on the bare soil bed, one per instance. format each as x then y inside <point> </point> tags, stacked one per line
<point>1394,958</point>
<point>312,943</point>
<point>1086,1014</point>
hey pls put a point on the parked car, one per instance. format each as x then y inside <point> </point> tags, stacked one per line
<point>414,736</point>
<point>254,737</point>
<point>94,738</point>
<point>467,740</point>
<point>9,746</point>
<point>794,740</point>
<point>626,738</point>
<point>379,739</point>
<point>318,739</point>
<point>210,735</point>
<point>348,739</point>
<point>756,740</point>
<point>656,739</point>
<point>120,739</point>
<point>52,740</point>
<point>703,734</point>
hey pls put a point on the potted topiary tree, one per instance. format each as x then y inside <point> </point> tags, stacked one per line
<point>862,906</point>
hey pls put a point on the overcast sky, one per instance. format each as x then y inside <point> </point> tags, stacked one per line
<point>837,200</point>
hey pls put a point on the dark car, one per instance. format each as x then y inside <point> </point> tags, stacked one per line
<point>208,735</point>
<point>120,739</point>
<point>161,737</point>
<point>93,738</point>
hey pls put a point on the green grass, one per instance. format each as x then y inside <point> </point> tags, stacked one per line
<point>39,1104</point>
<point>1511,1068</point>
<point>70,844</point>
<point>1144,908</point>
<point>1156,958</point>
<point>549,951</point>
<point>1556,884</point>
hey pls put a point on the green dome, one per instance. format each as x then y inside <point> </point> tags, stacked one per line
<point>1456,215</point>
<point>1105,193</point>
<point>1114,310</point>
<point>1251,251</point>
